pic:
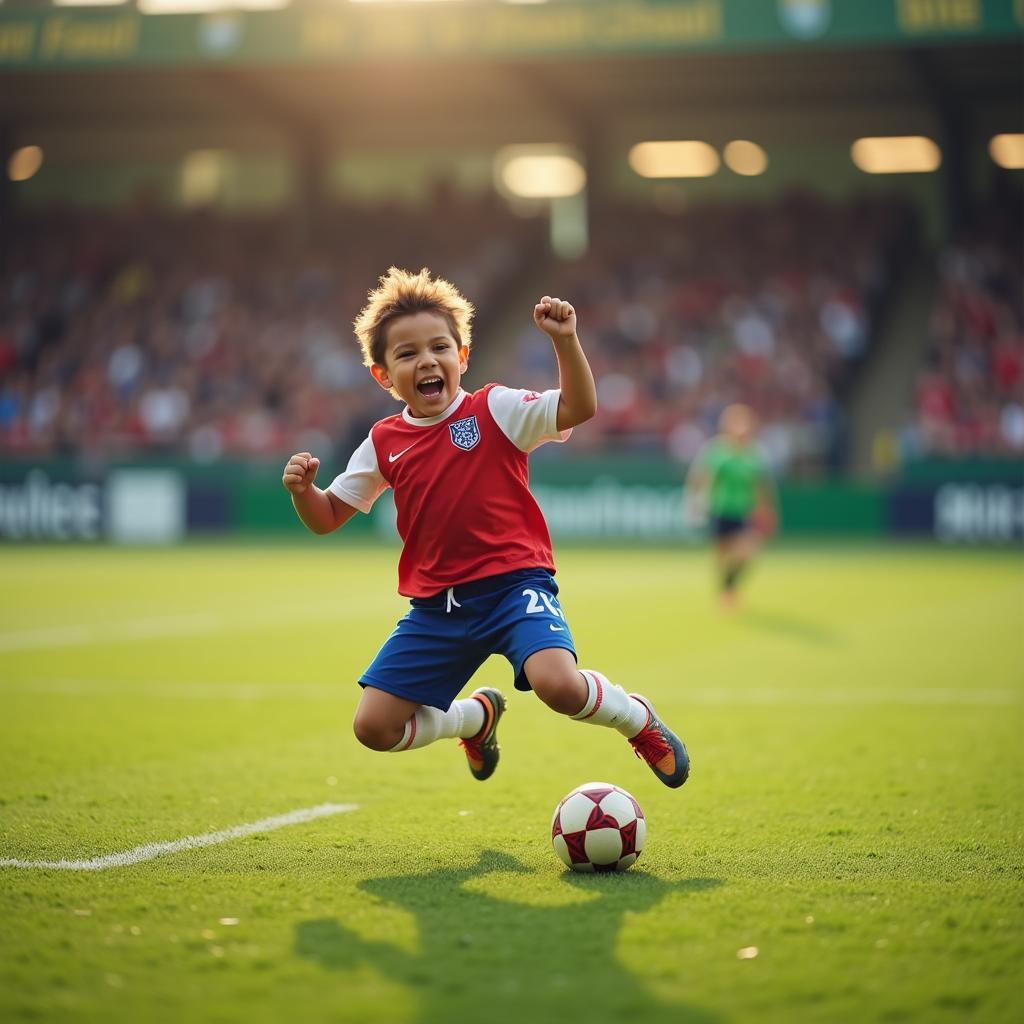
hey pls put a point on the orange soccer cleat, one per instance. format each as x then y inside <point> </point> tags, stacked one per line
<point>482,750</point>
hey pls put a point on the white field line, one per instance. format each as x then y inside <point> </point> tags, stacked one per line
<point>84,634</point>
<point>136,629</point>
<point>806,696</point>
<point>153,850</point>
<point>176,691</point>
<point>757,696</point>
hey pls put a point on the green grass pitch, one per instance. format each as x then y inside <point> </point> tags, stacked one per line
<point>854,812</point>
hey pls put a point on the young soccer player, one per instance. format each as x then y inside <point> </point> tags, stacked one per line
<point>476,559</point>
<point>730,480</point>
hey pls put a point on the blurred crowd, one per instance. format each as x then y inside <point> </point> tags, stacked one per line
<point>772,304</point>
<point>192,334</point>
<point>970,392</point>
<point>200,336</point>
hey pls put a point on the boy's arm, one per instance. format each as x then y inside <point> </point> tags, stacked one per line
<point>577,402</point>
<point>321,511</point>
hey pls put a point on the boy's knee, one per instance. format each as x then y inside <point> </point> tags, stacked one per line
<point>563,691</point>
<point>373,734</point>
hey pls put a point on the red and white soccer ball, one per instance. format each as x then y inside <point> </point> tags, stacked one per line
<point>598,827</point>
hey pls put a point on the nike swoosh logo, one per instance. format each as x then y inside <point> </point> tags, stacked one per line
<point>395,456</point>
<point>555,629</point>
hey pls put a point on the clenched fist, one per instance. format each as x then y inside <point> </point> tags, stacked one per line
<point>300,472</point>
<point>555,317</point>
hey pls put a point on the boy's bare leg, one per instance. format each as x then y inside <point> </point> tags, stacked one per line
<point>381,718</point>
<point>386,722</point>
<point>588,696</point>
<point>556,680</point>
<point>569,691</point>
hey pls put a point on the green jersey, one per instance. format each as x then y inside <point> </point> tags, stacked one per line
<point>735,473</point>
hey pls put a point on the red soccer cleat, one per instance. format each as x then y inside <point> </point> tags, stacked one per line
<point>661,748</point>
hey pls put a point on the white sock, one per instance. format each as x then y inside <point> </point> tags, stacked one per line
<point>464,718</point>
<point>608,704</point>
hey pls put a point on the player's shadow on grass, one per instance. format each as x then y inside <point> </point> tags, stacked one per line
<point>480,957</point>
<point>791,626</point>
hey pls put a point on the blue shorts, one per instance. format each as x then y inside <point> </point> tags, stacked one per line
<point>723,527</point>
<point>438,646</point>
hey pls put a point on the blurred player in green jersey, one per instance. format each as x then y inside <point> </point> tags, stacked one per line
<point>729,485</point>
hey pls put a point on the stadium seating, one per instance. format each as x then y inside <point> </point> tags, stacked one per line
<point>205,336</point>
<point>970,391</point>
<point>771,304</point>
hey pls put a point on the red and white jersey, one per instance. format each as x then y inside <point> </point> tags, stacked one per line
<point>460,480</point>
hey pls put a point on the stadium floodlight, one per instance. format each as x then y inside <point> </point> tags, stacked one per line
<point>24,163</point>
<point>549,178</point>
<point>674,159</point>
<point>538,172</point>
<point>896,154</point>
<point>439,1</point>
<point>203,176</point>
<point>208,6</point>
<point>89,3</point>
<point>1007,150</point>
<point>745,157</point>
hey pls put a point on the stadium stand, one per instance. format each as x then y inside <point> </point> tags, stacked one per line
<point>205,336</point>
<point>773,304</point>
<point>970,392</point>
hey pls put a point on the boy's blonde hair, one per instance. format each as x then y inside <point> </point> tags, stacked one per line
<point>400,293</point>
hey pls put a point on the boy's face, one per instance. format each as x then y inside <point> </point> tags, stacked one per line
<point>422,362</point>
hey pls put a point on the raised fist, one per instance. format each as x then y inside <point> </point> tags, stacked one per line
<point>555,317</point>
<point>300,472</point>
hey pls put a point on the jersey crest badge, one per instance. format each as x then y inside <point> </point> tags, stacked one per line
<point>465,433</point>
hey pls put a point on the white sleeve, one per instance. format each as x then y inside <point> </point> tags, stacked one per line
<point>362,483</point>
<point>526,418</point>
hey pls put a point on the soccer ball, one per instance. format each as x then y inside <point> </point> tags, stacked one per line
<point>598,827</point>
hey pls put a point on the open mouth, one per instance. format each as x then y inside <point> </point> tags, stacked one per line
<point>430,387</point>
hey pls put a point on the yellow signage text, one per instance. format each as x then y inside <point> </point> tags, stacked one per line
<point>939,15</point>
<point>96,39</point>
<point>17,40</point>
